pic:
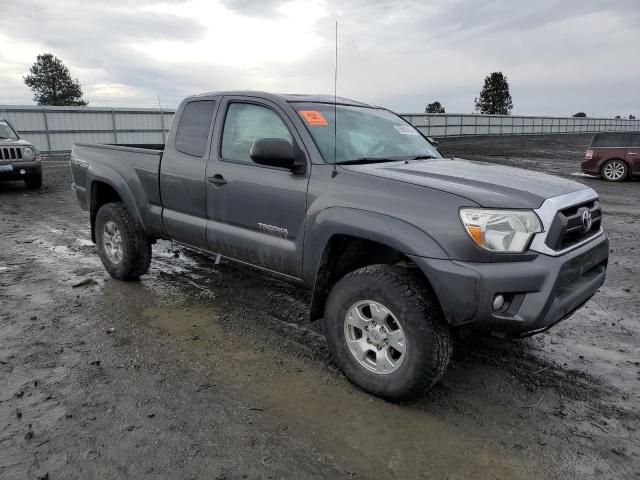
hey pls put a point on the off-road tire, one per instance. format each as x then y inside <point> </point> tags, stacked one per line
<point>136,255</point>
<point>33,181</point>
<point>608,164</point>
<point>427,335</point>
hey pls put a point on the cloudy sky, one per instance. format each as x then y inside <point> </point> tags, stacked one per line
<point>560,56</point>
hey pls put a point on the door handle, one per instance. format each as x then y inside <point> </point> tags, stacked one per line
<point>218,180</point>
<point>632,153</point>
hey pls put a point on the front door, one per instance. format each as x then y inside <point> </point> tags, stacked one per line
<point>256,213</point>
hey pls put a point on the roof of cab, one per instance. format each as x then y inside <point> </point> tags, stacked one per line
<point>318,98</point>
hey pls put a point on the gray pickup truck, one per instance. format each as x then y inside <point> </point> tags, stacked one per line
<point>19,159</point>
<point>399,245</point>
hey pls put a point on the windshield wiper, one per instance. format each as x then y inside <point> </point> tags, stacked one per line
<point>421,157</point>
<point>363,160</point>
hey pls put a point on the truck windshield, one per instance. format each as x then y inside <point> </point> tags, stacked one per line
<point>6,132</point>
<point>363,134</point>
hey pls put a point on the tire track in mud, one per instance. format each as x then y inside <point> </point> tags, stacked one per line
<point>535,399</point>
<point>278,387</point>
<point>523,364</point>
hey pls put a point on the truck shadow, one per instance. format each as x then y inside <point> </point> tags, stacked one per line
<point>13,187</point>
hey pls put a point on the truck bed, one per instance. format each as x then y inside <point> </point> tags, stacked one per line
<point>99,168</point>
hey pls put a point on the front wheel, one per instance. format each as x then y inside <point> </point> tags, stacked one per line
<point>615,170</point>
<point>386,331</point>
<point>125,252</point>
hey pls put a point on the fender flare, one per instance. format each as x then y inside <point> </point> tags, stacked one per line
<point>397,234</point>
<point>109,176</point>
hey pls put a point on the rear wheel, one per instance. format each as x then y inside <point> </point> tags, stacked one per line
<point>125,252</point>
<point>615,170</point>
<point>33,181</point>
<point>386,331</point>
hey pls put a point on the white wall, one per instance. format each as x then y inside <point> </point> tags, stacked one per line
<point>56,129</point>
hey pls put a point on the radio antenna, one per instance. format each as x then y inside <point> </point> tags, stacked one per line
<point>162,119</point>
<point>335,109</point>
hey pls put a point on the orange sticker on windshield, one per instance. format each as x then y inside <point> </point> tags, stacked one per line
<point>313,117</point>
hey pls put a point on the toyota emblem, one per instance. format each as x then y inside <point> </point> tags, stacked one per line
<point>586,220</point>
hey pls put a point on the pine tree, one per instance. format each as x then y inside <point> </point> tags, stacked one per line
<point>495,98</point>
<point>52,84</point>
<point>434,107</point>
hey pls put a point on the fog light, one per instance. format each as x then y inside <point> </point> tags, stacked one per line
<point>23,171</point>
<point>498,302</point>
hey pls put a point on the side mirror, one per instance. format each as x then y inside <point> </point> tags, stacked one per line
<point>275,152</point>
<point>432,140</point>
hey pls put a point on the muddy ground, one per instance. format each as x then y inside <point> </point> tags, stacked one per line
<point>213,372</point>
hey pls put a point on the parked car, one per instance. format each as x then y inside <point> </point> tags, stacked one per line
<point>19,159</point>
<point>398,244</point>
<point>613,155</point>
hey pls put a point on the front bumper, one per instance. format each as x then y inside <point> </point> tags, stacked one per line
<point>30,168</point>
<point>539,293</point>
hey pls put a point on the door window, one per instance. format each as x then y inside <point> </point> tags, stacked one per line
<point>245,123</point>
<point>192,135</point>
<point>635,140</point>
<point>609,140</point>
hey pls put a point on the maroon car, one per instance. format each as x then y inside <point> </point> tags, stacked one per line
<point>613,155</point>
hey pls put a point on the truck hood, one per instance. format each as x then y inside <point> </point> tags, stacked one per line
<point>487,184</point>
<point>14,143</point>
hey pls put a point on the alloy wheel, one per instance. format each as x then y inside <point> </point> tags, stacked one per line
<point>614,170</point>
<point>375,337</point>
<point>112,242</point>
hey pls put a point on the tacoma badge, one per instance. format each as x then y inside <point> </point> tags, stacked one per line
<point>272,229</point>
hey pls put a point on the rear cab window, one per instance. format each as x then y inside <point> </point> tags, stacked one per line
<point>192,135</point>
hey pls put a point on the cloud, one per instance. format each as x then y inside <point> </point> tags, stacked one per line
<point>560,56</point>
<point>253,8</point>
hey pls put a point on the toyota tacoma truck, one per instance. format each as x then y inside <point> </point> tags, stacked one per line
<point>399,245</point>
<point>19,159</point>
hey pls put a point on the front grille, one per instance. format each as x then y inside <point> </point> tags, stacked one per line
<point>10,153</point>
<point>568,228</point>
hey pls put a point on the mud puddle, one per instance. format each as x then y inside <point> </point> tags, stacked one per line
<point>182,320</point>
<point>389,441</point>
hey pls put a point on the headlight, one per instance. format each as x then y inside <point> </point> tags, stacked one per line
<point>28,153</point>
<point>501,230</point>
